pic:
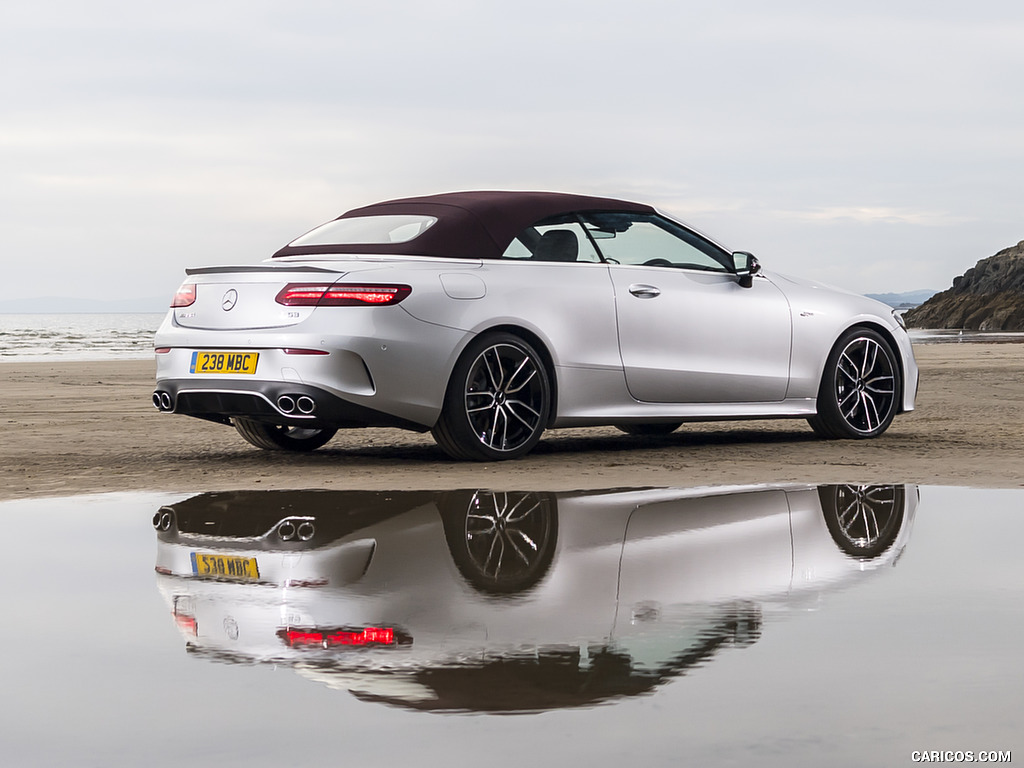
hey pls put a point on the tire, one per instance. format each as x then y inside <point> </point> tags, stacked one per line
<point>864,520</point>
<point>272,437</point>
<point>860,387</point>
<point>497,403</point>
<point>649,430</point>
<point>501,542</point>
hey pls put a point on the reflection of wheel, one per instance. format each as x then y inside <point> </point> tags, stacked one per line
<point>497,403</point>
<point>649,429</point>
<point>274,437</point>
<point>859,388</point>
<point>502,542</point>
<point>864,520</point>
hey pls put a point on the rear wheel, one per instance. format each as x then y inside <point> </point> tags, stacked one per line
<point>497,403</point>
<point>859,389</point>
<point>274,437</point>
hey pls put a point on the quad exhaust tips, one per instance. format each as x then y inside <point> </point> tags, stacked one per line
<point>290,405</point>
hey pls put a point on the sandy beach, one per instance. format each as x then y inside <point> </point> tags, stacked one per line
<point>90,427</point>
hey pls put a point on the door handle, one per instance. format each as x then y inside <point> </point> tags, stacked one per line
<point>642,291</point>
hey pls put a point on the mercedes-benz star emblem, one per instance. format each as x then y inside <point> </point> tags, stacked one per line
<point>229,300</point>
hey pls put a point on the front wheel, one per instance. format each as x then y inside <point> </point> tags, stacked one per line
<point>273,437</point>
<point>497,403</point>
<point>859,388</point>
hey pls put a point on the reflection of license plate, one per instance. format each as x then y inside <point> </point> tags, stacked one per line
<point>224,566</point>
<point>224,362</point>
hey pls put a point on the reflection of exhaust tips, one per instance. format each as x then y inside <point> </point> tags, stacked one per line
<point>301,530</point>
<point>305,404</point>
<point>286,403</point>
<point>162,401</point>
<point>163,520</point>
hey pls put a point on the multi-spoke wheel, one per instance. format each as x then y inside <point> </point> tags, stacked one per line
<point>274,437</point>
<point>502,542</point>
<point>860,387</point>
<point>864,520</point>
<point>497,403</point>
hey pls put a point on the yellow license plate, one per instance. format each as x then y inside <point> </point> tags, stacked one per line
<point>225,566</point>
<point>224,362</point>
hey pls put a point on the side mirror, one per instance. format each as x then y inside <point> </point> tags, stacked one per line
<point>747,266</point>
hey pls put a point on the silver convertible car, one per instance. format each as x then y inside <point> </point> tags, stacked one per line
<point>489,317</point>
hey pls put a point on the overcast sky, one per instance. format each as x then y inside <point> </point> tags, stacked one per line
<point>877,146</point>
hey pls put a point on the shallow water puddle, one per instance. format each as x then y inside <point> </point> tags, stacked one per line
<point>768,625</point>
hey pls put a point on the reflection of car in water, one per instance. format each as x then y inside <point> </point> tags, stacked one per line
<point>508,601</point>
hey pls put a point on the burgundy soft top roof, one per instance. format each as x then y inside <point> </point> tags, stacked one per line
<point>470,225</point>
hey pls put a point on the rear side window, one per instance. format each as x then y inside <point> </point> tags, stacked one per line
<point>367,230</point>
<point>559,238</point>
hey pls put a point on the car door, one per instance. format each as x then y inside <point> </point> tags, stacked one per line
<point>688,331</point>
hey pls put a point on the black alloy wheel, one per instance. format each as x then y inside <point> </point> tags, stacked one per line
<point>502,542</point>
<point>864,520</point>
<point>274,437</point>
<point>498,401</point>
<point>860,387</point>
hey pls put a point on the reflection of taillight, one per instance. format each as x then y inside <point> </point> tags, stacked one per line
<point>187,624</point>
<point>322,295</point>
<point>333,638</point>
<point>184,615</point>
<point>186,296</point>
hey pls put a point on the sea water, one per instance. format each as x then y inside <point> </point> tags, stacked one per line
<point>30,337</point>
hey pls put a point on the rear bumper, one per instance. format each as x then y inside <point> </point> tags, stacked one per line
<point>273,402</point>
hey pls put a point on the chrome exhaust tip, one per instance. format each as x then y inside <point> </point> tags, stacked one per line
<point>286,404</point>
<point>286,530</point>
<point>163,520</point>
<point>306,530</point>
<point>162,401</point>
<point>305,404</point>
<point>156,401</point>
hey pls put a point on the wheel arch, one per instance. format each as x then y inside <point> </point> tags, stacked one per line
<point>535,341</point>
<point>887,335</point>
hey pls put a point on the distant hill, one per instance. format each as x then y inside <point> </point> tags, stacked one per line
<point>56,305</point>
<point>904,300</point>
<point>987,297</point>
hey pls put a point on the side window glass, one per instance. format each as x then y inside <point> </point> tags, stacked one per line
<point>560,239</point>
<point>649,240</point>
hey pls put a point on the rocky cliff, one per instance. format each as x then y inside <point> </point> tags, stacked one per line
<point>987,297</point>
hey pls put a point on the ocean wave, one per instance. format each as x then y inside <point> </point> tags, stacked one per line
<point>27,338</point>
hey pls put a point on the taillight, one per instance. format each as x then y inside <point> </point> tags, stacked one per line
<point>333,638</point>
<point>321,295</point>
<point>186,296</point>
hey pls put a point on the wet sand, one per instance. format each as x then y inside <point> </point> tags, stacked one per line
<point>91,427</point>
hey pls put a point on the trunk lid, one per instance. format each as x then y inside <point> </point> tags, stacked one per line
<point>243,298</point>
